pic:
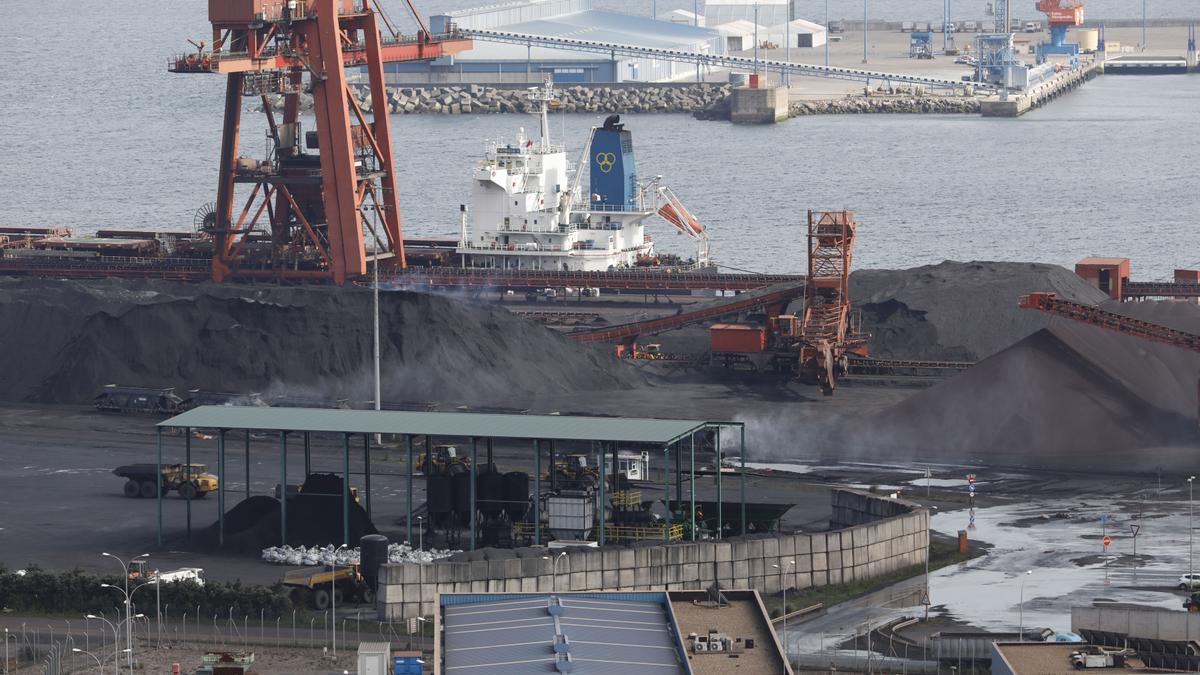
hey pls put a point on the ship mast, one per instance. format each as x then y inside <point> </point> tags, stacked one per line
<point>542,96</point>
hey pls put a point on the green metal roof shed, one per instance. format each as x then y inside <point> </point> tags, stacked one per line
<point>467,425</point>
<point>666,433</point>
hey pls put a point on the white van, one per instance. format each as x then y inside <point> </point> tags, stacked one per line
<point>1033,26</point>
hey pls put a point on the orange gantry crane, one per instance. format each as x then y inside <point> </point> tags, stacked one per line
<point>825,335</point>
<point>323,191</point>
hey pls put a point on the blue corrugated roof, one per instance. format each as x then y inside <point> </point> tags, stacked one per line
<point>617,633</point>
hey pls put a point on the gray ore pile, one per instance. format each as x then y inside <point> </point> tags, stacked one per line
<point>64,340</point>
<point>1048,392</point>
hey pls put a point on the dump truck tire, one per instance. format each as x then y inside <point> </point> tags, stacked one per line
<point>338,596</point>
<point>149,489</point>
<point>320,599</point>
<point>187,491</point>
<point>368,596</point>
<point>132,489</point>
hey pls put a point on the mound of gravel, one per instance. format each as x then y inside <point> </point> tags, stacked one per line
<point>64,340</point>
<point>1070,396</point>
<point>957,311</point>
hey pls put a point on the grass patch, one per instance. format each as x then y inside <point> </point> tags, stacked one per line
<point>942,554</point>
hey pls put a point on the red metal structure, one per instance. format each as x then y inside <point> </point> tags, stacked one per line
<point>1048,302</point>
<point>824,329</point>
<point>774,299</point>
<point>1062,12</point>
<point>320,206</point>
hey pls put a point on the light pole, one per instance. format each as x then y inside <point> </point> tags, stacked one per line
<point>1021,609</point>
<point>783,588</point>
<point>421,620</point>
<point>554,578</point>
<point>1191,534</point>
<point>420,534</point>
<point>864,31</point>
<point>827,33</point>
<point>116,663</point>
<point>333,595</point>
<point>6,649</point>
<point>125,575</point>
<point>77,651</point>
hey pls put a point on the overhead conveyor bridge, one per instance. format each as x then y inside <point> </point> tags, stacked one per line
<point>713,60</point>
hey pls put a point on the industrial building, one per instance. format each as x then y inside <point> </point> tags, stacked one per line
<point>684,632</point>
<point>762,12</point>
<point>798,33</point>
<point>496,62</point>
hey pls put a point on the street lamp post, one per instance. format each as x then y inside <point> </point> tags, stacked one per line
<point>554,578</point>
<point>1191,534</point>
<point>74,649</point>
<point>125,575</point>
<point>783,588</point>
<point>6,649</point>
<point>420,534</point>
<point>116,663</point>
<point>1021,609</point>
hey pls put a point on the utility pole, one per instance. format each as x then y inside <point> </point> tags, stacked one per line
<point>827,33</point>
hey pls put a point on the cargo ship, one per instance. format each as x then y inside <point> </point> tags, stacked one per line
<point>529,211</point>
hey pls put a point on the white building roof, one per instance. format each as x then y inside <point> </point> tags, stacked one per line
<point>739,27</point>
<point>744,3</point>
<point>683,16</point>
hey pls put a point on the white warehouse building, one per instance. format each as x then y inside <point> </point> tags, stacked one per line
<point>500,62</point>
<point>770,12</point>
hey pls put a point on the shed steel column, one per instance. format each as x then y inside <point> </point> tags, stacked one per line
<point>667,490</point>
<point>408,471</point>
<point>489,451</point>
<point>474,473</point>
<point>283,485</point>
<point>743,481</point>
<point>158,478</point>
<point>537,493</point>
<point>247,464</point>
<point>367,472</point>
<point>346,489</point>
<point>187,458</point>
<point>600,497</point>
<point>720,495</point>
<point>307,456</point>
<point>679,473</point>
<point>428,457</point>
<point>692,486</point>
<point>221,488</point>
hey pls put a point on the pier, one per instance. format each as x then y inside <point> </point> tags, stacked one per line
<point>1017,104</point>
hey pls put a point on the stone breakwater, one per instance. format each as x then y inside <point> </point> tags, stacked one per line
<point>475,99</point>
<point>911,104</point>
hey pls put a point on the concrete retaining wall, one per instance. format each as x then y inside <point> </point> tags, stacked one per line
<point>1154,624</point>
<point>897,538</point>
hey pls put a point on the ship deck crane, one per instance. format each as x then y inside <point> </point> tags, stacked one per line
<point>322,192</point>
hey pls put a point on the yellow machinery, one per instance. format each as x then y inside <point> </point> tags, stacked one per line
<point>317,586</point>
<point>189,480</point>
<point>444,457</point>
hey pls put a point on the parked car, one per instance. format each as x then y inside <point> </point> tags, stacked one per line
<point>1189,582</point>
<point>1033,26</point>
<point>837,27</point>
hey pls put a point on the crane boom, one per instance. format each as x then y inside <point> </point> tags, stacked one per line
<point>1091,314</point>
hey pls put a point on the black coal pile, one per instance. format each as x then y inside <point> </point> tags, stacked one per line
<point>1070,396</point>
<point>64,340</point>
<point>314,518</point>
<point>957,311</point>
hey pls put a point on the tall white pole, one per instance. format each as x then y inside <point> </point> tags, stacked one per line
<point>1191,534</point>
<point>375,304</point>
<point>826,32</point>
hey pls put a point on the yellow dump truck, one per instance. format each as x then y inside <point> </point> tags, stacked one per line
<point>317,586</point>
<point>191,481</point>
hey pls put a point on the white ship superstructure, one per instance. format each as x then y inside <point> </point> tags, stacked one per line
<point>528,210</point>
